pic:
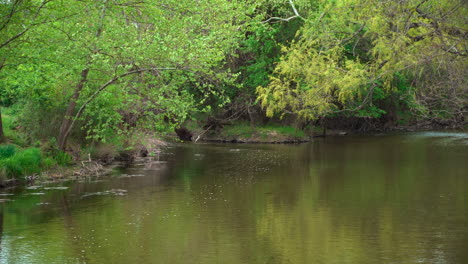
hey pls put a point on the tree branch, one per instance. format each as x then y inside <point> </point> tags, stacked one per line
<point>296,15</point>
<point>45,2</point>
<point>104,86</point>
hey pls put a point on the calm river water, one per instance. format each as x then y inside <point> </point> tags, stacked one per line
<point>354,199</point>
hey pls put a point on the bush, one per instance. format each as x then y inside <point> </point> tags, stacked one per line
<point>7,151</point>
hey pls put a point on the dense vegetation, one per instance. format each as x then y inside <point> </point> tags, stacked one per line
<point>74,73</point>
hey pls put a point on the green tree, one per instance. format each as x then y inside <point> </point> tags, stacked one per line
<point>110,56</point>
<point>351,53</point>
<point>17,17</point>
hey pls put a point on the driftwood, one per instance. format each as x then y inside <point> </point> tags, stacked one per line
<point>201,134</point>
<point>90,167</point>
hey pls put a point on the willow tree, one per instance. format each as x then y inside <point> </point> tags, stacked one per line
<point>351,52</point>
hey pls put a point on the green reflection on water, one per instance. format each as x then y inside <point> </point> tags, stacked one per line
<point>373,199</point>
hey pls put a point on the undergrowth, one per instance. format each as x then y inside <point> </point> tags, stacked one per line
<point>16,163</point>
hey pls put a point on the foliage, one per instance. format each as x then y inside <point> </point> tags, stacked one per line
<point>11,128</point>
<point>154,56</point>
<point>351,54</point>
<point>22,163</point>
<point>15,162</point>
<point>7,151</point>
<point>97,70</point>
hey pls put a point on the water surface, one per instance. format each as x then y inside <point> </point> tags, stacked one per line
<point>356,199</point>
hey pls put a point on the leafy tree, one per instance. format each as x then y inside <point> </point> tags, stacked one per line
<point>17,17</point>
<point>111,55</point>
<point>258,52</point>
<point>350,54</point>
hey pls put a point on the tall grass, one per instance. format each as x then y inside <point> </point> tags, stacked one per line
<point>21,163</point>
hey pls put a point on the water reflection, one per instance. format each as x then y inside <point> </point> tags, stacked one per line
<point>386,199</point>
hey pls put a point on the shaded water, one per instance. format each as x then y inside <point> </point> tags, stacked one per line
<point>360,199</point>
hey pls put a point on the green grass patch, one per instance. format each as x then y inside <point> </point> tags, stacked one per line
<point>239,130</point>
<point>16,163</point>
<point>273,132</point>
<point>21,163</point>
<point>288,131</point>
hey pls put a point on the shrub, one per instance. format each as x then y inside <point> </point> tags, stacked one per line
<point>7,151</point>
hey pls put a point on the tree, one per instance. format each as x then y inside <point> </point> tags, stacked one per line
<point>17,17</point>
<point>352,53</point>
<point>108,56</point>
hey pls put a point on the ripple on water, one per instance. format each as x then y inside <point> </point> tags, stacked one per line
<point>440,134</point>
<point>443,138</point>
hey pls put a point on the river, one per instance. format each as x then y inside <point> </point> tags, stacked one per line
<point>356,199</point>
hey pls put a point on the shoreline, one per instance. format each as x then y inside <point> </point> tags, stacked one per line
<point>102,167</point>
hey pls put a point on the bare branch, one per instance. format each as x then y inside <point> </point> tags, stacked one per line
<point>296,15</point>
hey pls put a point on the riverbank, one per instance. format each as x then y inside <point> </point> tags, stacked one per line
<point>242,132</point>
<point>43,162</point>
<point>23,161</point>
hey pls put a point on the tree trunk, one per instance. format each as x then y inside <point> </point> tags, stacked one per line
<point>65,128</point>
<point>2,136</point>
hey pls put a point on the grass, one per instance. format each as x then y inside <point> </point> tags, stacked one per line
<point>20,163</point>
<point>20,157</point>
<point>239,130</point>
<point>16,162</point>
<point>288,131</point>
<point>274,132</point>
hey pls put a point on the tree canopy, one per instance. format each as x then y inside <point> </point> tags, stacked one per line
<point>100,66</point>
<point>351,53</point>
